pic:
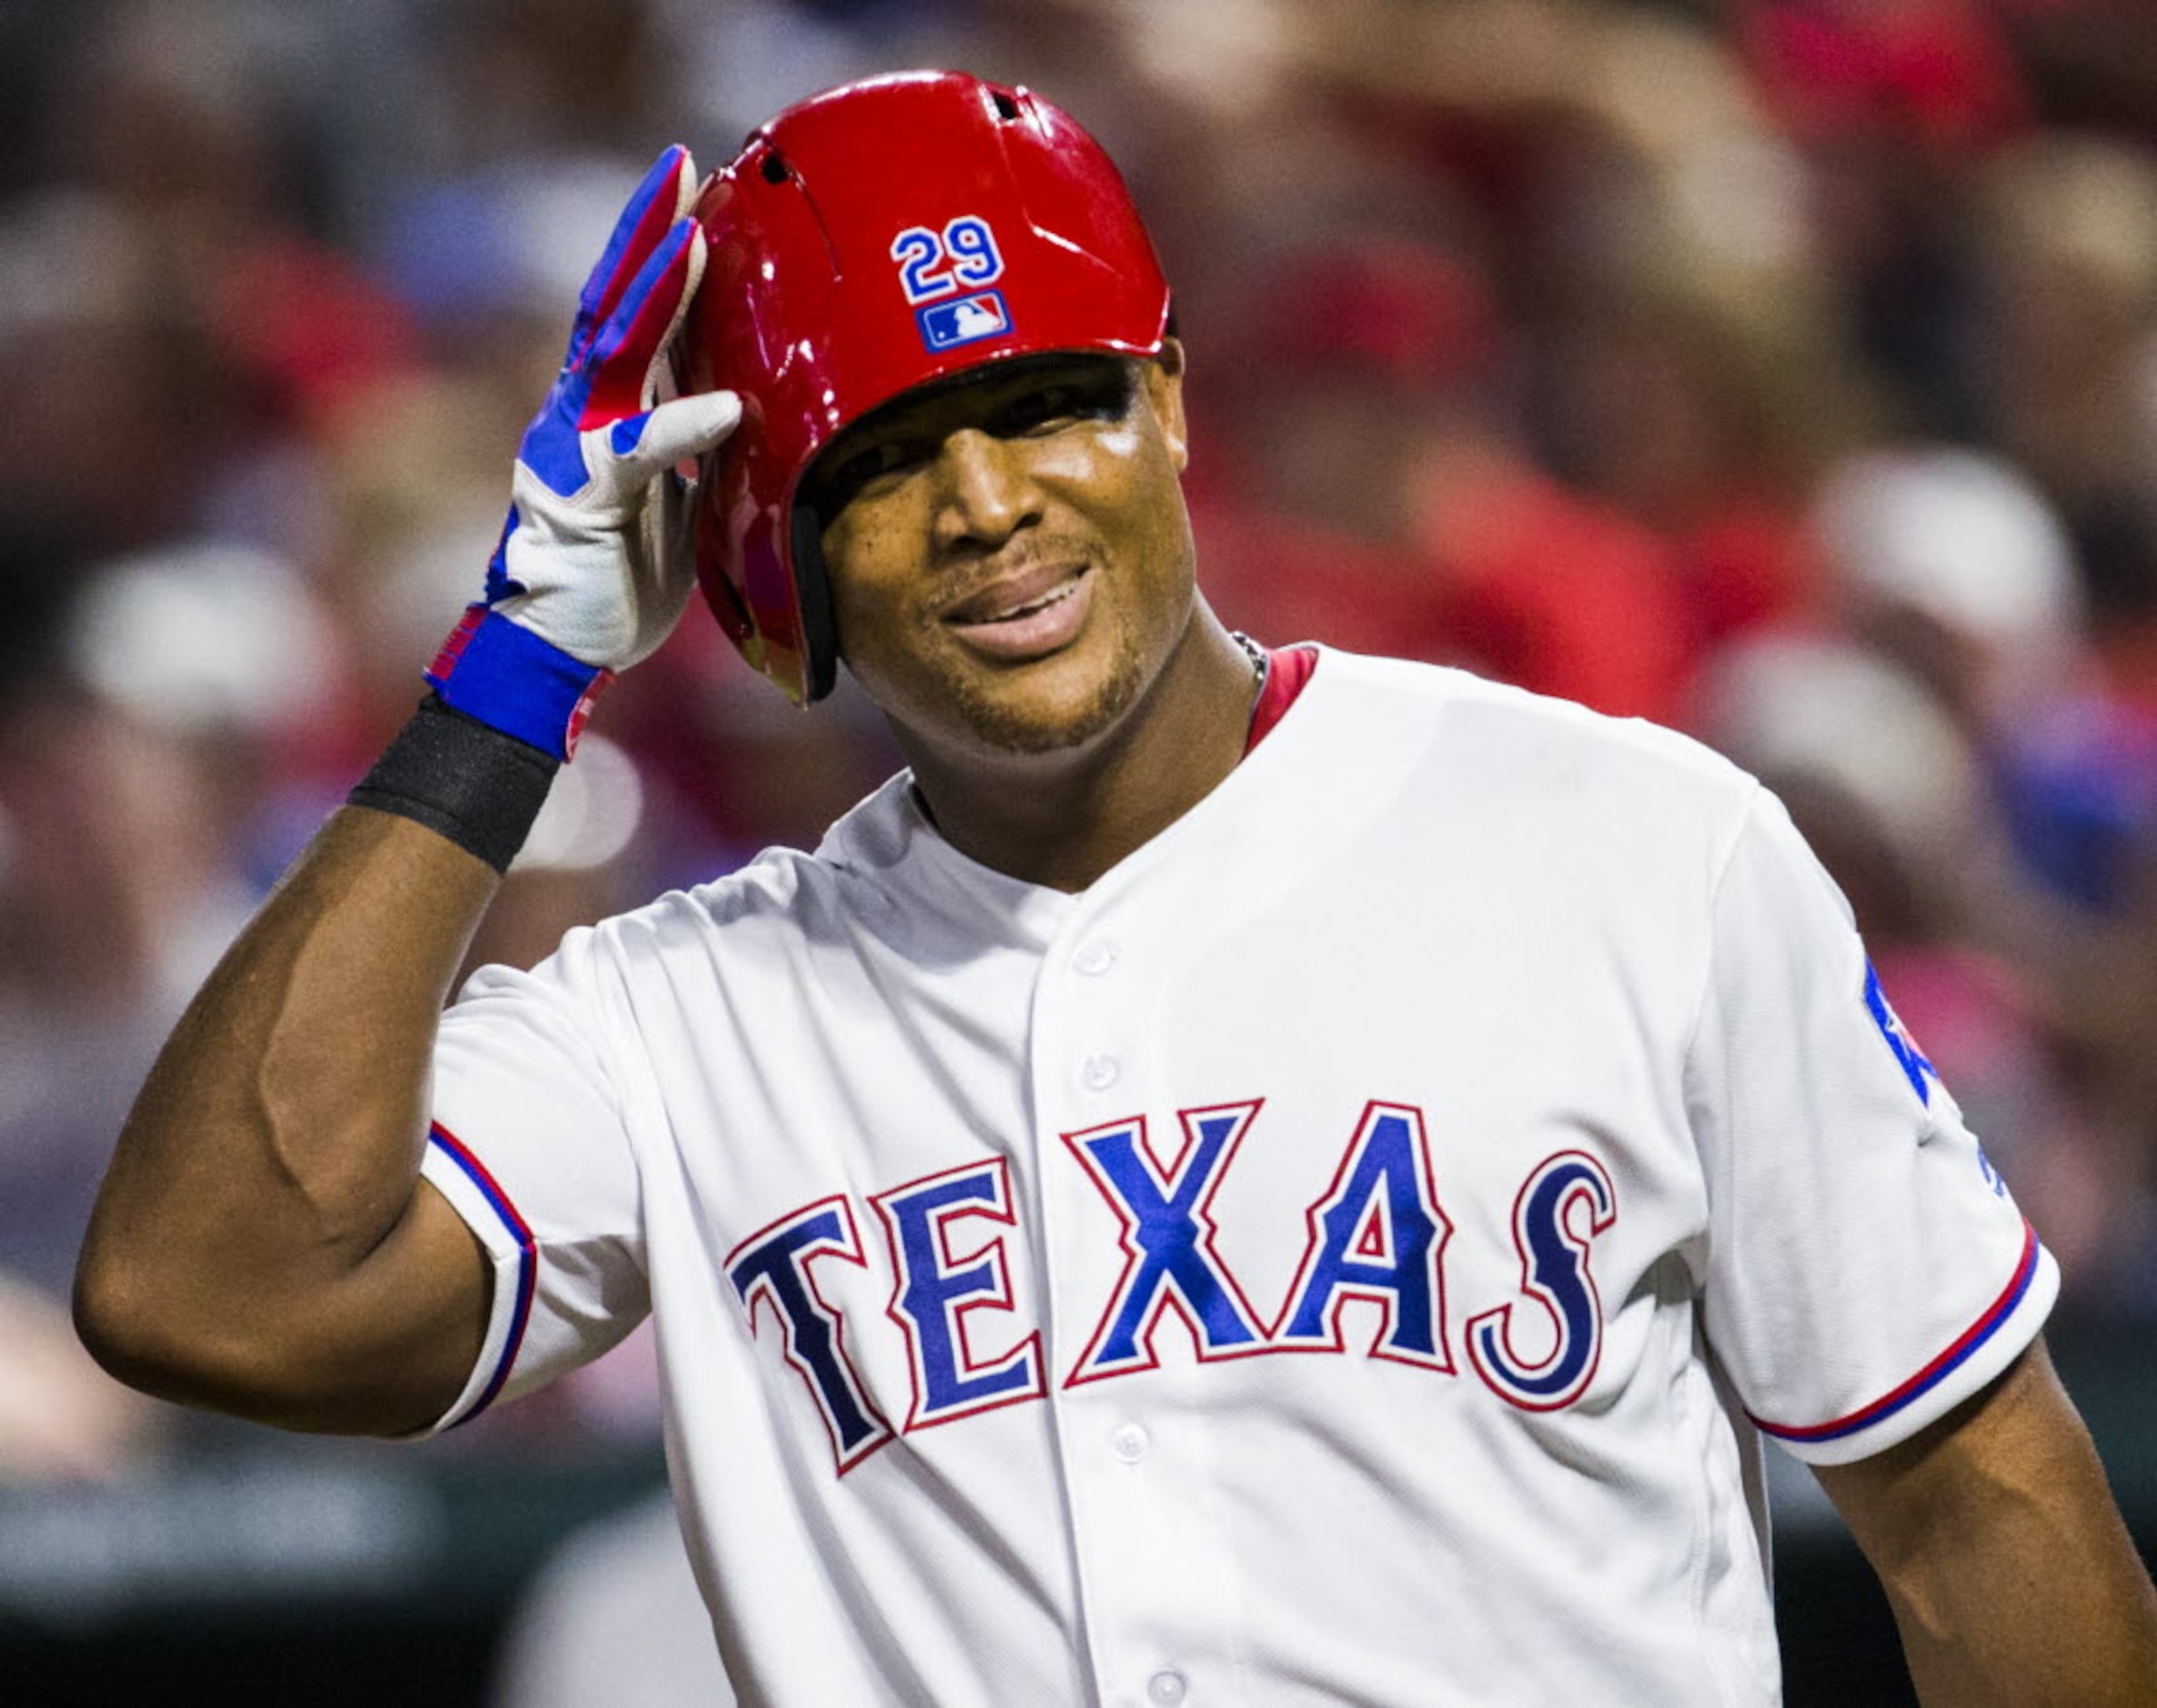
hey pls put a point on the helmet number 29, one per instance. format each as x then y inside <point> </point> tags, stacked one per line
<point>963,257</point>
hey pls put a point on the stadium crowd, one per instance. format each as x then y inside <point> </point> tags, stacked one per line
<point>1784,370</point>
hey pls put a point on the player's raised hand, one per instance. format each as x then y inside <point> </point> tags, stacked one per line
<point>595,563</point>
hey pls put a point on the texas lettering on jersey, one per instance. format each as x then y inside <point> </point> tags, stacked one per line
<point>1376,1233</point>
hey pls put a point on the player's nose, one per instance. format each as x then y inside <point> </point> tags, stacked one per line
<point>985,491</point>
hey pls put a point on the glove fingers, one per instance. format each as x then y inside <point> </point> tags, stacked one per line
<point>659,201</point>
<point>642,325</point>
<point>678,429</point>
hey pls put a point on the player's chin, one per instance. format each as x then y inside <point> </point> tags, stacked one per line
<point>1050,705</point>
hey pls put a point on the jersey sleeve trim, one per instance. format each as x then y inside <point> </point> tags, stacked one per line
<point>1957,1355</point>
<point>526,1265</point>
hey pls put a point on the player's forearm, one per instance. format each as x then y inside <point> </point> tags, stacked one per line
<point>274,1149</point>
<point>2012,1575</point>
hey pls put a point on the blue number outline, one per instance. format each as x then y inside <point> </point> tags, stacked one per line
<point>964,257</point>
<point>982,264</point>
<point>920,253</point>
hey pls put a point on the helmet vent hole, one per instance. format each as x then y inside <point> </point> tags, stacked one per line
<point>774,169</point>
<point>1006,108</point>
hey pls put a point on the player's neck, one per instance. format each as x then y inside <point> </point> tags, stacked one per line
<point>1062,820</point>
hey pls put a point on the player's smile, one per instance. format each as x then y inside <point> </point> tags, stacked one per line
<point>1028,614</point>
<point>1008,561</point>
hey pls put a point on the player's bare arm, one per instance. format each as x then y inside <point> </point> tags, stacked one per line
<point>263,1243</point>
<point>2012,1575</point>
<point>259,1247</point>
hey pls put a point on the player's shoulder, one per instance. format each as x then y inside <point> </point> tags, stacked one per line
<point>792,888</point>
<point>1537,740</point>
<point>769,916</point>
<point>880,877</point>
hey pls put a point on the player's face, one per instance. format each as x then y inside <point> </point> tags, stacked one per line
<point>1010,560</point>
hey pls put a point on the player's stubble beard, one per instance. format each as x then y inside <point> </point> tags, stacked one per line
<point>978,706</point>
<point>1003,727</point>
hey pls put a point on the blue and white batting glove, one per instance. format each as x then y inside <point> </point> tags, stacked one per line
<point>595,562</point>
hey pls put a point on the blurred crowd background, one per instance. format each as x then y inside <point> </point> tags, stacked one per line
<point>1783,370</point>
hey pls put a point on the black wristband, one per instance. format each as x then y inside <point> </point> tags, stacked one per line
<point>463,779</point>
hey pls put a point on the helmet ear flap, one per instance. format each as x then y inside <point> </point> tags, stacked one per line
<point>813,586</point>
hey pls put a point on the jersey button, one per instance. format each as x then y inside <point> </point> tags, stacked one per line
<point>1167,1686</point>
<point>1097,1073</point>
<point>1095,957</point>
<point>1130,1442</point>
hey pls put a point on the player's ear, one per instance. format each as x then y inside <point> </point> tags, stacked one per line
<point>1163,379</point>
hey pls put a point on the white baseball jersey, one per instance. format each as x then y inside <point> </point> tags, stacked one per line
<point>1349,1253</point>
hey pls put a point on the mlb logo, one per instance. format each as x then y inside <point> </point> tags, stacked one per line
<point>964,320</point>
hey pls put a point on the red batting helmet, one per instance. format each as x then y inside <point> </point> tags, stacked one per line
<point>868,240</point>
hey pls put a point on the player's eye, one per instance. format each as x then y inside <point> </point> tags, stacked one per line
<point>1101,396</point>
<point>1039,411</point>
<point>875,462</point>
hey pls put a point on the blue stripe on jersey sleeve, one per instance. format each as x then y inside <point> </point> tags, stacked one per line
<point>1933,1374</point>
<point>528,1263</point>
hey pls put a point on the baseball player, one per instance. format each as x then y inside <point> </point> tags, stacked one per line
<point>1240,1175</point>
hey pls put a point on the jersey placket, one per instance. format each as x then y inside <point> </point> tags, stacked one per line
<point>1156,1575</point>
